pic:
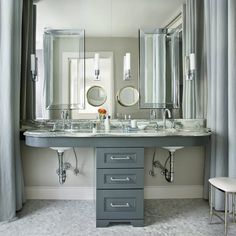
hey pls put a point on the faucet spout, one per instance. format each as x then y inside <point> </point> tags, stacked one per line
<point>64,116</point>
<point>166,111</point>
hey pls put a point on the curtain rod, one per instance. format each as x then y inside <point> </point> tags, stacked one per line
<point>174,20</point>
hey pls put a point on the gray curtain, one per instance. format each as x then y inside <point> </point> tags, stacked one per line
<point>11,181</point>
<point>27,100</point>
<point>195,90</point>
<point>220,35</point>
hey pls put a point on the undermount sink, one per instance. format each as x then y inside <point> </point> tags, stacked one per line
<point>60,149</point>
<point>173,149</point>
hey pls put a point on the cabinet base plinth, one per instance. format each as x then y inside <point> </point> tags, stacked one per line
<point>105,223</point>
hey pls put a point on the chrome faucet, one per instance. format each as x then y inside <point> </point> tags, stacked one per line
<point>64,117</point>
<point>164,116</point>
<point>153,114</point>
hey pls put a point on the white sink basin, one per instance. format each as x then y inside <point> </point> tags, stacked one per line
<point>173,149</point>
<point>60,149</point>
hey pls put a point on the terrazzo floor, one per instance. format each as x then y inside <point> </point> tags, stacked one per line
<point>182,217</point>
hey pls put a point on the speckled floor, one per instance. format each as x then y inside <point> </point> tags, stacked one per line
<point>182,217</point>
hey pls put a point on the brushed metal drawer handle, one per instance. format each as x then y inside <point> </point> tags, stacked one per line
<point>120,158</point>
<point>127,179</point>
<point>120,205</point>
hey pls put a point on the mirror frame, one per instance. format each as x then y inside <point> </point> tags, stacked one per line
<point>48,67</point>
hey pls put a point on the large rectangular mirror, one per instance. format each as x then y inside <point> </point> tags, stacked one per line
<point>109,27</point>
<point>160,67</point>
<point>64,69</point>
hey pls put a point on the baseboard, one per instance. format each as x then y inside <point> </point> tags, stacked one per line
<point>88,193</point>
<point>60,193</point>
<point>173,191</point>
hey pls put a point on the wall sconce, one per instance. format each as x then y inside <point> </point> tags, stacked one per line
<point>190,66</point>
<point>127,71</point>
<point>96,66</point>
<point>34,67</point>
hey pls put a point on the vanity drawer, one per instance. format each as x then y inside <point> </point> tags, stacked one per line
<point>119,178</point>
<point>120,157</point>
<point>120,204</point>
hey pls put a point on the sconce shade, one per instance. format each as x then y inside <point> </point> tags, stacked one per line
<point>127,74</point>
<point>96,61</point>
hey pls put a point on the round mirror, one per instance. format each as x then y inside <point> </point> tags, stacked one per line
<point>96,96</point>
<point>128,96</point>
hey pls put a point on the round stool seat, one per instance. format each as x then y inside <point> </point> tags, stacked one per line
<point>225,184</point>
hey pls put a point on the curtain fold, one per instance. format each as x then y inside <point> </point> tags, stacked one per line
<point>232,87</point>
<point>220,37</point>
<point>27,101</point>
<point>195,90</point>
<point>11,180</point>
<point>189,101</point>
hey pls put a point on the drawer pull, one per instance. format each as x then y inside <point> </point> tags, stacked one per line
<point>120,158</point>
<point>120,205</point>
<point>127,179</point>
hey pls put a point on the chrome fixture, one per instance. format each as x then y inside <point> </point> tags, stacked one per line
<point>127,70</point>
<point>168,173</point>
<point>190,62</point>
<point>64,123</point>
<point>153,114</point>
<point>164,116</point>
<point>96,66</point>
<point>64,166</point>
<point>34,67</point>
<point>64,117</point>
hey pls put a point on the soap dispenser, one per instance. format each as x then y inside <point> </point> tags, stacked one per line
<point>107,123</point>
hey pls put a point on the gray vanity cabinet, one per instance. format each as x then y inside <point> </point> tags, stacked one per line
<point>120,174</point>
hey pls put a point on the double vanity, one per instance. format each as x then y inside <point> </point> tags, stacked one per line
<point>125,72</point>
<point>120,161</point>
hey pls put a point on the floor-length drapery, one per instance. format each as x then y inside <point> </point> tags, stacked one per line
<point>220,35</point>
<point>194,89</point>
<point>27,101</point>
<point>11,180</point>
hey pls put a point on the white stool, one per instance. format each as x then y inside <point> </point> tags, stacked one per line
<point>228,186</point>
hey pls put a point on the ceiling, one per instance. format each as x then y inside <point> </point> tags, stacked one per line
<point>105,18</point>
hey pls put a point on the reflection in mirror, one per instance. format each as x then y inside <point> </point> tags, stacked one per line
<point>64,69</point>
<point>160,62</point>
<point>109,27</point>
<point>96,96</point>
<point>128,96</point>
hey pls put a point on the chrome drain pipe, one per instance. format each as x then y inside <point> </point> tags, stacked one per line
<point>61,169</point>
<point>169,175</point>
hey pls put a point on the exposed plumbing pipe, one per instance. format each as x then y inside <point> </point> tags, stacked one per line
<point>61,169</point>
<point>169,174</point>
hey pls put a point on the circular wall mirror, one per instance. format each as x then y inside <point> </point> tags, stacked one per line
<point>127,96</point>
<point>96,96</point>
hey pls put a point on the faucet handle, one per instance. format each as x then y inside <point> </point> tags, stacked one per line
<point>153,114</point>
<point>64,114</point>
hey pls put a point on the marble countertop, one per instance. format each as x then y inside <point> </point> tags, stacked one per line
<point>118,133</point>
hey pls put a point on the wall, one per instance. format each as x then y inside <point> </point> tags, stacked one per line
<point>119,46</point>
<point>41,180</point>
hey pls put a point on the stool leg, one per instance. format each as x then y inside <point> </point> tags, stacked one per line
<point>211,203</point>
<point>226,211</point>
